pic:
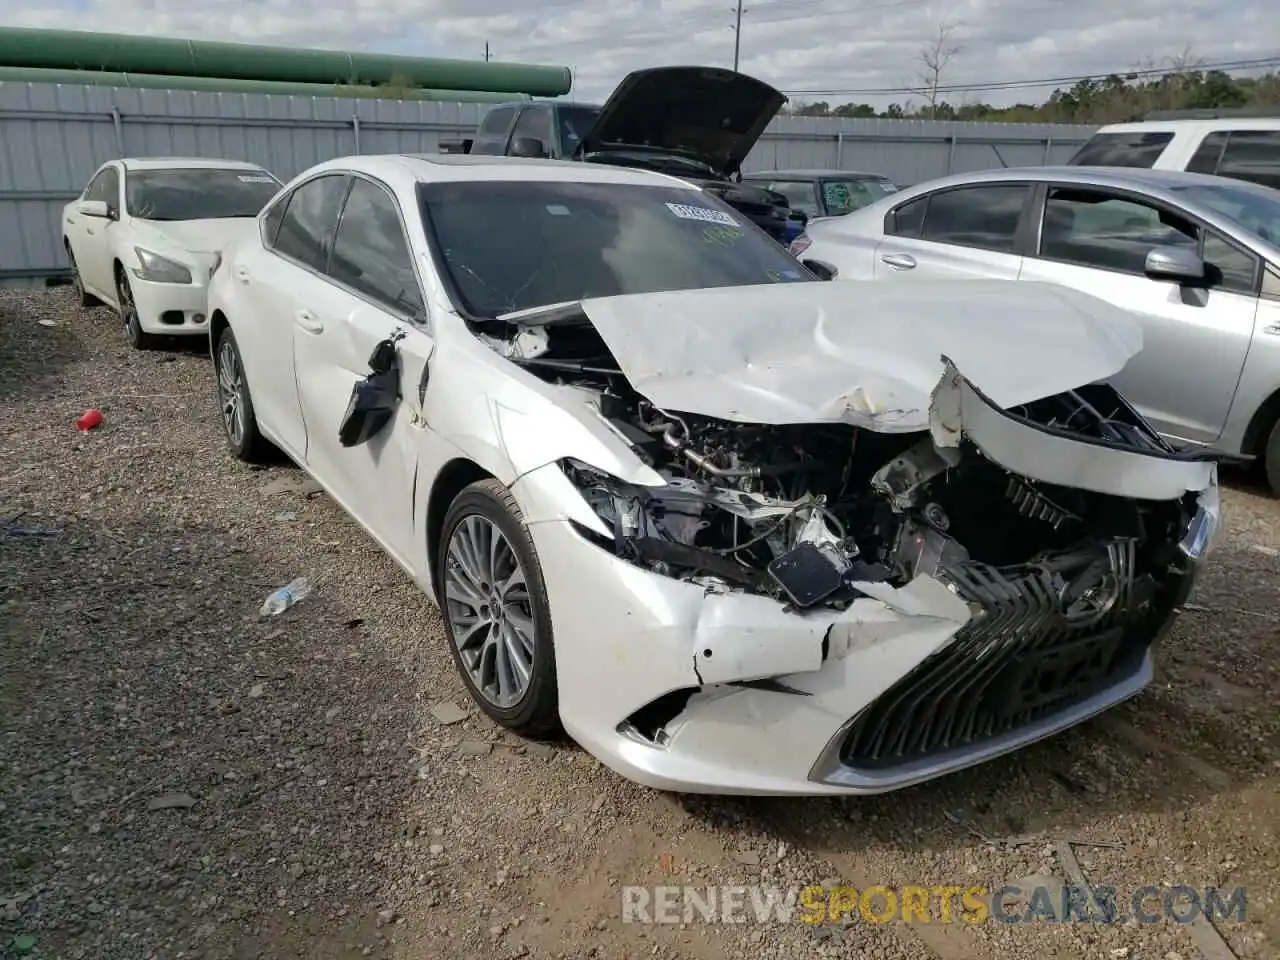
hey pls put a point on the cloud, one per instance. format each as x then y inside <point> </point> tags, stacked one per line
<point>797,45</point>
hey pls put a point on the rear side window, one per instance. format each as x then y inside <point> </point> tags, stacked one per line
<point>306,232</point>
<point>985,217</point>
<point>906,220</point>
<point>1252,155</point>
<point>1136,149</point>
<point>491,138</point>
<point>1208,153</point>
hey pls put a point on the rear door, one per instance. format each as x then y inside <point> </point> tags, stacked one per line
<point>371,291</point>
<point>1195,339</point>
<point>956,232</point>
<point>285,278</point>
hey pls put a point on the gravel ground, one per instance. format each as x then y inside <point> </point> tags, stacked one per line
<point>179,779</point>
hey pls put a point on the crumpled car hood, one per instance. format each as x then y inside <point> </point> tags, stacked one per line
<point>860,352</point>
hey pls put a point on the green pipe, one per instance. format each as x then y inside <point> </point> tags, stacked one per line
<point>75,50</point>
<point>145,81</point>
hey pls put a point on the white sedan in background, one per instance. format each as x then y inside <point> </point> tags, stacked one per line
<point>736,529</point>
<point>146,233</point>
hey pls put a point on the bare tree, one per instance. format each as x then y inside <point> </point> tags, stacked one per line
<point>934,58</point>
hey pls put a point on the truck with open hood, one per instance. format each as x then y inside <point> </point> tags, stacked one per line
<point>696,123</point>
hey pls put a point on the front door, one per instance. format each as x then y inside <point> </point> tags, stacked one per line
<point>1195,338</point>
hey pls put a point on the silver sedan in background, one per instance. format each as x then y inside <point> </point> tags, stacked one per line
<point>1196,256</point>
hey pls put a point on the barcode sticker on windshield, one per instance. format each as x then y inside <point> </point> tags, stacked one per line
<point>687,212</point>
<point>255,179</point>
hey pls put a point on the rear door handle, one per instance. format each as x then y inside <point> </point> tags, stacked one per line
<point>89,231</point>
<point>901,261</point>
<point>242,274</point>
<point>308,322</point>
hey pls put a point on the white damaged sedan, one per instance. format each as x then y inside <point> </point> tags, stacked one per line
<point>738,530</point>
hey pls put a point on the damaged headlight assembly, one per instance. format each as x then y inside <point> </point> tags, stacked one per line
<point>721,537</point>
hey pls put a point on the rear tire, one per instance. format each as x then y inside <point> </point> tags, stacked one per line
<point>239,423</point>
<point>1271,459</point>
<point>77,285</point>
<point>139,339</point>
<point>496,614</point>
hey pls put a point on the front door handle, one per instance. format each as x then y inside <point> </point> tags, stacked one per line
<point>900,261</point>
<point>242,274</point>
<point>89,231</point>
<point>308,322</point>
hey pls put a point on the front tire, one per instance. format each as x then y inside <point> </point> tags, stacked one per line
<point>1271,459</point>
<point>496,614</point>
<point>239,422</point>
<point>138,338</point>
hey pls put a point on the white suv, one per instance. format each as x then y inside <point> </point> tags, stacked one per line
<point>1244,148</point>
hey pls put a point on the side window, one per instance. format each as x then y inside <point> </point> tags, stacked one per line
<point>307,228</point>
<point>1093,228</point>
<point>370,253</point>
<point>491,137</point>
<point>106,187</point>
<point>799,194</point>
<point>1136,149</point>
<point>1252,155</point>
<point>535,123</point>
<point>906,220</point>
<point>271,222</point>
<point>1229,267</point>
<point>985,217</point>
<point>1207,155</point>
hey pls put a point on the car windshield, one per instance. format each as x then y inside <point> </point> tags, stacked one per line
<point>845,196</point>
<point>574,123</point>
<point>198,193</point>
<point>510,246</point>
<point>1257,210</point>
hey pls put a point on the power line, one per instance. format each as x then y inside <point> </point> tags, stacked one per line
<point>997,85</point>
<point>639,38</point>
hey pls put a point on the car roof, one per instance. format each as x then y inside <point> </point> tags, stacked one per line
<point>432,167</point>
<point>186,163</point>
<point>811,174</point>
<point>1118,177</point>
<point>1192,124</point>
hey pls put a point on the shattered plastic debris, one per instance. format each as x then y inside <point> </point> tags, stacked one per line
<point>285,597</point>
<point>88,420</point>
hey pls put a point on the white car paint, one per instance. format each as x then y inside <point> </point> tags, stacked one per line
<point>624,634</point>
<point>107,240</point>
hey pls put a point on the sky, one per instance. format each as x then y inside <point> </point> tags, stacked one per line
<point>833,50</point>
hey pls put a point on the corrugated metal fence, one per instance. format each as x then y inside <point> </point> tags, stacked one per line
<point>53,137</point>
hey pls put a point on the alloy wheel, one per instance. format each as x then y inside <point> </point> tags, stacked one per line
<point>490,611</point>
<point>230,392</point>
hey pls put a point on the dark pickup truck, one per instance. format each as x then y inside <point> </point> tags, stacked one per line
<point>696,123</point>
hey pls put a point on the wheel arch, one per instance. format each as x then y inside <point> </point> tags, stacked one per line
<point>453,478</point>
<point>1264,418</point>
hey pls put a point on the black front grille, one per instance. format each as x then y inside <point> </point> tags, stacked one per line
<point>1042,638</point>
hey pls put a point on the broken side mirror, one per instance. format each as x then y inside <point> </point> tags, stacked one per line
<point>373,399</point>
<point>820,269</point>
<point>1178,264</point>
<point>530,147</point>
<point>799,216</point>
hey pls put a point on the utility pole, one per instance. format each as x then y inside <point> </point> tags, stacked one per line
<point>486,51</point>
<point>737,37</point>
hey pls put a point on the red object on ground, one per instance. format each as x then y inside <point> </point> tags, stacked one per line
<point>89,419</point>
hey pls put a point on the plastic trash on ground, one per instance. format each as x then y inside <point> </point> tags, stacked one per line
<point>284,598</point>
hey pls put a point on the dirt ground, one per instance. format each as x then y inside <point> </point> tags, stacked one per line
<point>179,779</point>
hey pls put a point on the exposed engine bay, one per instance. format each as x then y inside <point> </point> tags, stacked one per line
<point>804,513</point>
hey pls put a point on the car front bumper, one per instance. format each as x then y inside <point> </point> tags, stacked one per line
<point>747,697</point>
<point>173,309</point>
